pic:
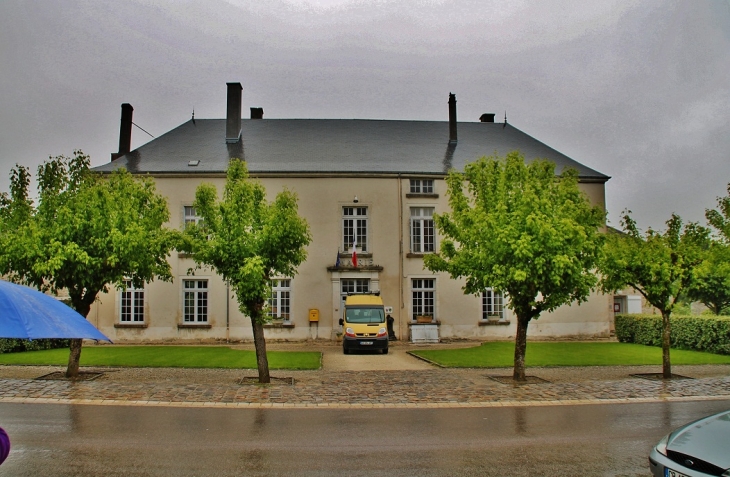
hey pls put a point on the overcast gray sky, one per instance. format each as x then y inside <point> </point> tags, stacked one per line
<point>638,90</point>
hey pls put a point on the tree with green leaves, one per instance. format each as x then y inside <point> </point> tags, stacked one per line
<point>720,218</point>
<point>711,284</point>
<point>523,230</point>
<point>712,277</point>
<point>84,233</point>
<point>659,265</point>
<point>249,242</point>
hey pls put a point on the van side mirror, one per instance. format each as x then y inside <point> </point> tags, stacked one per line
<point>342,322</point>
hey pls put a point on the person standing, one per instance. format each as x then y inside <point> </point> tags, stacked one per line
<point>391,330</point>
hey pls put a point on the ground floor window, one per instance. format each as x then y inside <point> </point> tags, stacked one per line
<point>280,299</point>
<point>195,301</point>
<point>424,292</point>
<point>492,304</point>
<point>132,303</point>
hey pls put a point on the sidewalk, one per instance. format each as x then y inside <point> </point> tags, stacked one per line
<point>396,380</point>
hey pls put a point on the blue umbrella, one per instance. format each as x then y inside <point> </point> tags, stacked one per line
<point>29,314</point>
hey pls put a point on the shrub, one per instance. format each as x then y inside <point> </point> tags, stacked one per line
<point>13,345</point>
<point>697,333</point>
<point>625,328</point>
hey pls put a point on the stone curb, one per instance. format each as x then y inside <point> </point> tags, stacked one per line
<point>442,405</point>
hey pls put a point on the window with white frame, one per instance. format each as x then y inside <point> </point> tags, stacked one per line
<point>195,301</point>
<point>492,304</point>
<point>190,216</point>
<point>280,300</point>
<point>423,294</point>
<point>421,186</point>
<point>355,228</point>
<point>131,304</point>
<point>422,230</point>
<point>354,285</point>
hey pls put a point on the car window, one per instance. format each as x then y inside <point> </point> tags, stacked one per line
<point>365,315</point>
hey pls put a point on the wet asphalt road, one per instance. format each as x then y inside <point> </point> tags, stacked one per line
<point>584,440</point>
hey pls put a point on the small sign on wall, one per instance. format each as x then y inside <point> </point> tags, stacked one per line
<point>388,310</point>
<point>617,307</point>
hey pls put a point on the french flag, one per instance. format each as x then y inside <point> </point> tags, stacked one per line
<point>354,253</point>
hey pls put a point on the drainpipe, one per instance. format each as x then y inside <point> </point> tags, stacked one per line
<point>400,255</point>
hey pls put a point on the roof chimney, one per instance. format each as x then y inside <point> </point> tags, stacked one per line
<point>233,113</point>
<point>487,118</point>
<point>257,113</point>
<point>125,131</point>
<point>452,117</point>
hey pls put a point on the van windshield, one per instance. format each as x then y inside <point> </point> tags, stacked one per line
<point>364,315</point>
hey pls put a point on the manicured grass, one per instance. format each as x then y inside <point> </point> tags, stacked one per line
<point>167,357</point>
<point>501,355</point>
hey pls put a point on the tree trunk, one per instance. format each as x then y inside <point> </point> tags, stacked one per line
<point>74,355</point>
<point>262,361</point>
<point>520,349</point>
<point>666,335</point>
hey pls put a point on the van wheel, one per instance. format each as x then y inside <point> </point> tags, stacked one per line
<point>385,351</point>
<point>345,350</point>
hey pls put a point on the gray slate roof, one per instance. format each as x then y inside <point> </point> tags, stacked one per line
<point>335,146</point>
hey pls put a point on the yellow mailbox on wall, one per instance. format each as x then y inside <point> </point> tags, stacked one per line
<point>313,315</point>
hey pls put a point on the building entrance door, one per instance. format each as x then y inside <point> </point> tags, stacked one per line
<point>352,285</point>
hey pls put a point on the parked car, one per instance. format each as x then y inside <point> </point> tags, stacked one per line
<point>697,449</point>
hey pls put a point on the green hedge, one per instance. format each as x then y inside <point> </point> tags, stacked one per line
<point>12,345</point>
<point>696,333</point>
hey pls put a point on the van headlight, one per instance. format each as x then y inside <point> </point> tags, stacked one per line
<point>349,332</point>
<point>382,332</point>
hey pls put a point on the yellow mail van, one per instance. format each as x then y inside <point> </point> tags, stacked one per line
<point>363,323</point>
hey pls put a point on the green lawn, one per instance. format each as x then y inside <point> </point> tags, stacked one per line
<point>501,355</point>
<point>167,357</point>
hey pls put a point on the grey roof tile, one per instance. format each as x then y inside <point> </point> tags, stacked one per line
<point>335,146</point>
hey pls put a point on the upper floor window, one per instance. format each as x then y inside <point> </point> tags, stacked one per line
<point>422,230</point>
<point>190,216</point>
<point>280,299</point>
<point>421,186</point>
<point>132,303</point>
<point>355,228</point>
<point>492,304</point>
<point>195,301</point>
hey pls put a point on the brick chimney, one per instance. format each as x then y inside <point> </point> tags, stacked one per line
<point>233,113</point>
<point>487,118</point>
<point>452,118</point>
<point>257,113</point>
<point>125,131</point>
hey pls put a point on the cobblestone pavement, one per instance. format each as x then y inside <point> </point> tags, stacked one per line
<point>405,388</point>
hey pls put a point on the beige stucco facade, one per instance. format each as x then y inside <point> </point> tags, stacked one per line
<point>387,264</point>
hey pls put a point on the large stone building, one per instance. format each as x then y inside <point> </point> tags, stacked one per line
<point>373,183</point>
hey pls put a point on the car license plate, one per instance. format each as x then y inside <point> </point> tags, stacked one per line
<point>673,473</point>
<point>366,343</point>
